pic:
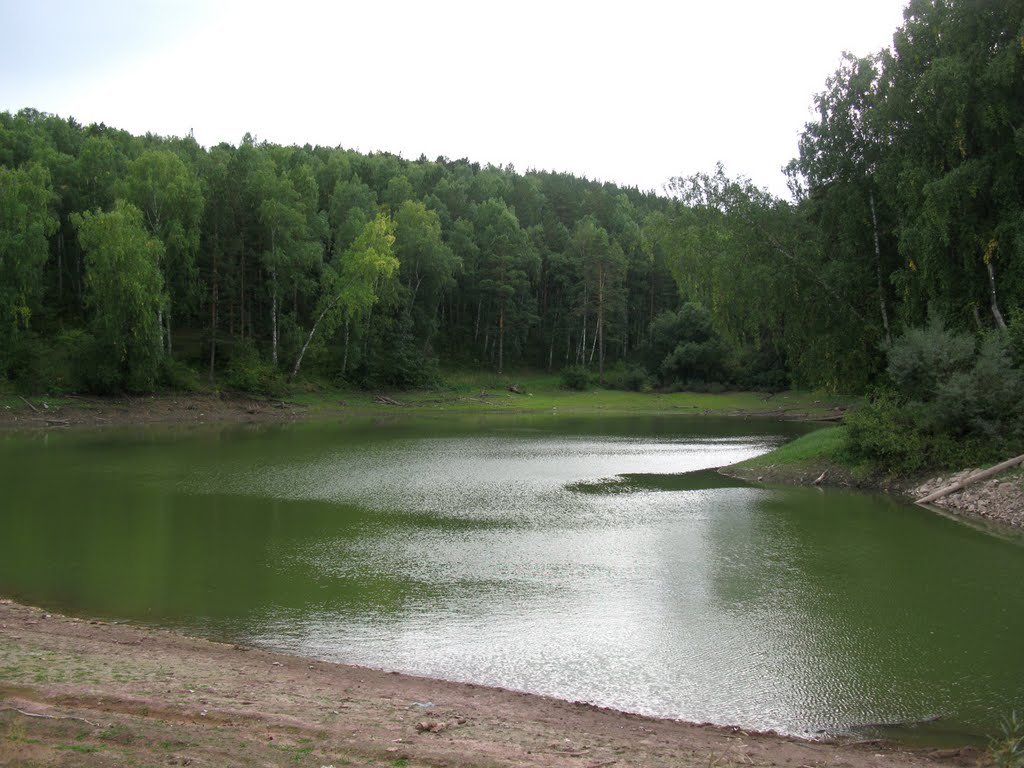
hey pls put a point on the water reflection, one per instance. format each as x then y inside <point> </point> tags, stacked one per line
<point>563,557</point>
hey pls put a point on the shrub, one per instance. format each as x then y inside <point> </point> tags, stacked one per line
<point>177,376</point>
<point>882,433</point>
<point>949,405</point>
<point>684,346</point>
<point>575,377</point>
<point>1007,749</point>
<point>247,372</point>
<point>923,358</point>
<point>632,378</point>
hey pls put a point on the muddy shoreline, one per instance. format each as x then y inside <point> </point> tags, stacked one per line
<point>86,692</point>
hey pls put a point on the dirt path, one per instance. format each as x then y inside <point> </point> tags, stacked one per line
<point>84,693</point>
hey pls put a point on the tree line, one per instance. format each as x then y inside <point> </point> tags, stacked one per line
<point>143,253</point>
<point>131,261</point>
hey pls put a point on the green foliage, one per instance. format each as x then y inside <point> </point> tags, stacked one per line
<point>56,365</point>
<point>760,369</point>
<point>25,225</point>
<point>1007,749</point>
<point>575,377</point>
<point>686,348</point>
<point>632,378</point>
<point>177,376</point>
<point>922,359</point>
<point>882,433</point>
<point>907,204</point>
<point>124,292</point>
<point>248,372</point>
<point>397,359</point>
<point>949,405</point>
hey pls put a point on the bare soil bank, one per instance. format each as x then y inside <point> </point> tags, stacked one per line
<point>188,408</point>
<point>997,502</point>
<point>75,692</point>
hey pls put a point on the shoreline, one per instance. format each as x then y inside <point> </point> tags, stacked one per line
<point>995,505</point>
<point>122,687</point>
<point>113,693</point>
<point>78,411</point>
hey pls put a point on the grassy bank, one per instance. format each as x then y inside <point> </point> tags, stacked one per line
<point>543,392</point>
<point>459,392</point>
<point>812,456</point>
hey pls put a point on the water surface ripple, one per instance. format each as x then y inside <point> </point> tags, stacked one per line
<point>560,556</point>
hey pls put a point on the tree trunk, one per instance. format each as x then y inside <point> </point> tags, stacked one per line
<point>501,339</point>
<point>344,356</point>
<point>1000,322</point>
<point>581,355</point>
<point>213,319</point>
<point>309,338</point>
<point>970,480</point>
<point>599,331</point>
<point>60,265</point>
<point>242,293</point>
<point>273,322</point>
<point>878,271</point>
<point>167,322</point>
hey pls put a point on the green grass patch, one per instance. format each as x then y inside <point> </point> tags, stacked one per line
<point>539,392</point>
<point>822,445</point>
<point>80,748</point>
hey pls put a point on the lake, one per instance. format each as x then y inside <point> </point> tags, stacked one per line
<point>562,555</point>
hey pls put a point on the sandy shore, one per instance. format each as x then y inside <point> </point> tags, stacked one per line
<point>75,692</point>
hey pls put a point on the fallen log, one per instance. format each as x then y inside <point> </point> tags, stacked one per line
<point>972,479</point>
<point>25,400</point>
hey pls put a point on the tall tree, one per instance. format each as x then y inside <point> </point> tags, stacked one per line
<point>840,155</point>
<point>25,200</point>
<point>124,292</point>
<point>428,265</point>
<point>507,262</point>
<point>350,282</point>
<point>292,244</point>
<point>603,264</point>
<point>170,198</point>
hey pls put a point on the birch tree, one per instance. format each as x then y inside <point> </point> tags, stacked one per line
<point>350,282</point>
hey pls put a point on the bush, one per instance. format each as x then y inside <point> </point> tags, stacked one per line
<point>632,378</point>
<point>179,377</point>
<point>923,358</point>
<point>761,369</point>
<point>1007,749</point>
<point>575,377</point>
<point>54,366</point>
<point>684,346</point>
<point>247,372</point>
<point>949,405</point>
<point>882,434</point>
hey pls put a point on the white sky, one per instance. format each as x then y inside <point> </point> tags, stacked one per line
<point>632,92</point>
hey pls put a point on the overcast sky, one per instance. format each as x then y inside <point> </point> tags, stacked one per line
<point>633,92</point>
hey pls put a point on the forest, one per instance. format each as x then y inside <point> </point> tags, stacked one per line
<point>896,269</point>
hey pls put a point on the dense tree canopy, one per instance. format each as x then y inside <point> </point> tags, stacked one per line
<point>279,261</point>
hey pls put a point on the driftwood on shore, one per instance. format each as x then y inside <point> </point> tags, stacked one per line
<point>971,479</point>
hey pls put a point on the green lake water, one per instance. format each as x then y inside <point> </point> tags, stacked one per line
<point>551,554</point>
